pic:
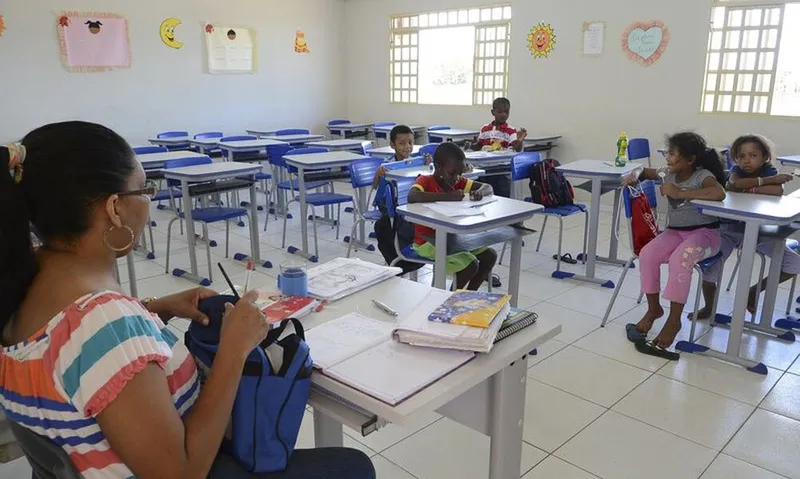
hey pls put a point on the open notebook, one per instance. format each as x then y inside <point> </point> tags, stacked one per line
<point>345,276</point>
<point>361,352</point>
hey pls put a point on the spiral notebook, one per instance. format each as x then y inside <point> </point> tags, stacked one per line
<point>517,320</point>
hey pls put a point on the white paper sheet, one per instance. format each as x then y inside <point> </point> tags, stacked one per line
<point>343,338</point>
<point>593,38</point>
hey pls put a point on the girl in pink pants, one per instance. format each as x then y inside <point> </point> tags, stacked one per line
<point>694,172</point>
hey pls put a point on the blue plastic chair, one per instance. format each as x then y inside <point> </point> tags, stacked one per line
<point>175,134</point>
<point>428,149</point>
<point>436,128</point>
<point>366,147</point>
<point>275,155</point>
<point>379,135</point>
<point>204,215</point>
<point>639,149</point>
<point>248,153</point>
<point>521,166</point>
<point>362,174</point>
<point>337,122</point>
<point>313,200</point>
<point>292,131</point>
<point>147,150</point>
<point>209,134</point>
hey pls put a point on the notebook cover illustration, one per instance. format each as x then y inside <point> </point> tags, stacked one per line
<point>470,308</point>
<point>278,307</point>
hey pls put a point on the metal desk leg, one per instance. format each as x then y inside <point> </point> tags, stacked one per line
<point>327,431</point>
<point>132,275</point>
<point>440,268</point>
<point>507,404</point>
<point>765,324</point>
<point>301,174</point>
<point>731,354</point>
<point>192,274</point>
<point>513,279</point>
<point>255,246</point>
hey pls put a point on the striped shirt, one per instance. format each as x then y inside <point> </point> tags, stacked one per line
<point>497,136</point>
<point>56,382</point>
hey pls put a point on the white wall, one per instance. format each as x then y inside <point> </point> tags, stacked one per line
<point>588,100</point>
<point>167,88</point>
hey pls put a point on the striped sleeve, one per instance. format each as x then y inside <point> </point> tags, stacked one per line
<point>101,345</point>
<point>422,182</point>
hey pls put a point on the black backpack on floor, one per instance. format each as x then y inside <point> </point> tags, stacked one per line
<point>548,186</point>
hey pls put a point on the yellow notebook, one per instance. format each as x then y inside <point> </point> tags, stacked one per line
<point>470,308</point>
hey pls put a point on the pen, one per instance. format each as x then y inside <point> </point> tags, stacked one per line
<point>384,308</point>
<point>230,283</point>
<point>248,276</point>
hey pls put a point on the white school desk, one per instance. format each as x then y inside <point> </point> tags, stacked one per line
<point>205,145</point>
<point>454,134</point>
<point>178,140</point>
<point>313,161</point>
<point>152,161</point>
<point>490,158</point>
<point>543,143</point>
<point>598,172</point>
<point>388,151</point>
<point>296,139</point>
<point>419,131</point>
<point>503,212</point>
<point>415,171</point>
<point>754,211</point>
<point>792,160</point>
<point>270,131</point>
<point>486,394</point>
<point>212,172</point>
<point>247,146</point>
<point>345,128</point>
<point>336,145</point>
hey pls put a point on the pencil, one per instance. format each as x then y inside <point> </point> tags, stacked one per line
<point>230,283</point>
<point>249,274</point>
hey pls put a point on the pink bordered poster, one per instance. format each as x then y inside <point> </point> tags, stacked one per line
<point>92,42</point>
<point>645,42</point>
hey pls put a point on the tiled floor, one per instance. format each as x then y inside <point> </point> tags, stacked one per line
<point>595,407</point>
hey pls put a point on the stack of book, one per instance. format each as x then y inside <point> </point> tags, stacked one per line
<point>464,320</point>
<point>278,307</point>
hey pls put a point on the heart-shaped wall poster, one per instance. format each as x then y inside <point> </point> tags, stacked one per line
<point>644,42</point>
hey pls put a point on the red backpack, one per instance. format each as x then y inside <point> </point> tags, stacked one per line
<point>548,186</point>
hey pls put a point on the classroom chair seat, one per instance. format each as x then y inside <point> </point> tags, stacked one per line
<point>292,131</point>
<point>147,150</point>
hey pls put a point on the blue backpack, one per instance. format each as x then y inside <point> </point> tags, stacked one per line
<point>272,395</point>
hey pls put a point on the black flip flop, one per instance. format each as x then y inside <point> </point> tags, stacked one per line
<point>567,258</point>
<point>652,349</point>
<point>634,335</point>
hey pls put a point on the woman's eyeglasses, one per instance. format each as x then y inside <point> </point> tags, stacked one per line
<point>150,190</point>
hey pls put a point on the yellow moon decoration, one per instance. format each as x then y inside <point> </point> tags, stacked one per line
<point>167,32</point>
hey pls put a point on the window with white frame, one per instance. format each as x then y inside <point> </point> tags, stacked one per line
<point>753,62</point>
<point>453,57</point>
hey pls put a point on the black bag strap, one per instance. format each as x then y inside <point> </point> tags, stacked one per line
<point>275,333</point>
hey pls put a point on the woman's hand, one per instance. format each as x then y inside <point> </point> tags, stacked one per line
<point>182,305</point>
<point>244,326</point>
<point>670,190</point>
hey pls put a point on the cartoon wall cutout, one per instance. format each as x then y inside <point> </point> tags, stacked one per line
<point>300,45</point>
<point>93,42</point>
<point>645,42</point>
<point>167,33</point>
<point>2,25</point>
<point>230,49</point>
<point>541,40</point>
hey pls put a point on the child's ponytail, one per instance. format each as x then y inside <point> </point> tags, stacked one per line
<point>711,160</point>
<point>17,262</point>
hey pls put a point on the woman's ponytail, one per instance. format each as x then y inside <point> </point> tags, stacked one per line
<point>17,262</point>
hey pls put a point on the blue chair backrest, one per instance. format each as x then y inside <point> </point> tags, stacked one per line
<point>638,149</point>
<point>146,150</point>
<point>275,154</point>
<point>521,165</point>
<point>303,151</point>
<point>403,186</point>
<point>292,131</point>
<point>439,128</point>
<point>729,158</point>
<point>172,134</point>
<point>649,189</point>
<point>238,138</point>
<point>362,172</point>
<point>208,134</point>
<point>409,163</point>
<point>192,161</point>
<point>385,123</point>
<point>428,149</point>
<point>338,122</point>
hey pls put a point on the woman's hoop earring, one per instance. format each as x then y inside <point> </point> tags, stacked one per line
<point>124,248</point>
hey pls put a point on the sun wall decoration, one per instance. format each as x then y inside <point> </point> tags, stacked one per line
<point>541,40</point>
